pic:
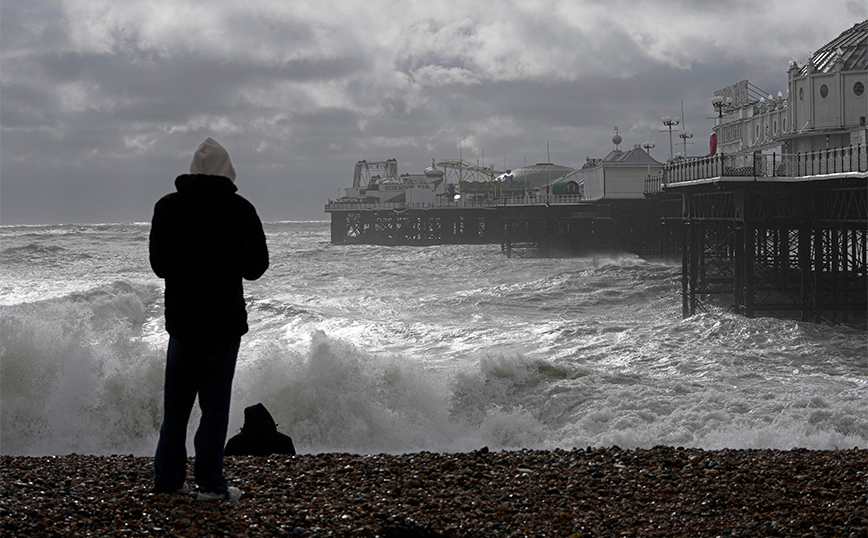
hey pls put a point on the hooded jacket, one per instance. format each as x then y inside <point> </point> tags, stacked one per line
<point>259,436</point>
<point>204,239</point>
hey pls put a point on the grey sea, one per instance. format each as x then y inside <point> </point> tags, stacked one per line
<point>371,349</point>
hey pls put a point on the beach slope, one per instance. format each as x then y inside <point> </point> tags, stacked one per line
<point>662,491</point>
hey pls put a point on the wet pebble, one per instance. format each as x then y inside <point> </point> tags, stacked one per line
<point>656,492</point>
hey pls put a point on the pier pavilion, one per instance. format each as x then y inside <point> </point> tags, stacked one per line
<point>775,219</point>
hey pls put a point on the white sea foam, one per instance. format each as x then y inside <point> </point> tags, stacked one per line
<point>374,349</point>
<point>77,376</point>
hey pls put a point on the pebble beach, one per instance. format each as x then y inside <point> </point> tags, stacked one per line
<point>662,491</point>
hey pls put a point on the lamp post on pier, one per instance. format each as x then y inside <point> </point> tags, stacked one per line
<point>648,146</point>
<point>684,136</point>
<point>669,121</point>
<point>719,104</point>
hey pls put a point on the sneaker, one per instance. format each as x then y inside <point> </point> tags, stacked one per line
<point>231,494</point>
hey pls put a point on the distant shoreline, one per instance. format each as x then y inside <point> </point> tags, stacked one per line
<point>662,491</point>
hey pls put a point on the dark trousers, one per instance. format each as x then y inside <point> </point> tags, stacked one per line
<point>202,368</point>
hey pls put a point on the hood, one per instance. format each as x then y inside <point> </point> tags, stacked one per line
<point>212,159</point>
<point>257,418</point>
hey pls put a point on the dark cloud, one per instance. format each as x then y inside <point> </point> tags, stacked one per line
<point>102,103</point>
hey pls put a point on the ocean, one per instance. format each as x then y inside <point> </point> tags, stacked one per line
<point>373,349</point>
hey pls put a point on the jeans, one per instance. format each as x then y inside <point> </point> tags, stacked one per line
<point>206,369</point>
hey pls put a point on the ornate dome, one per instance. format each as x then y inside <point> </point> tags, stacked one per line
<point>851,47</point>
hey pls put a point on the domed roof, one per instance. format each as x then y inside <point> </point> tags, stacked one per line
<point>851,46</point>
<point>541,174</point>
<point>433,171</point>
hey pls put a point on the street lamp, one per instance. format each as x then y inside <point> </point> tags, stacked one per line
<point>719,103</point>
<point>648,146</point>
<point>669,121</point>
<point>684,136</point>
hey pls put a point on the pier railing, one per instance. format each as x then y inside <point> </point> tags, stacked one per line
<point>338,205</point>
<point>654,184</point>
<point>541,199</point>
<point>462,203</point>
<point>761,165</point>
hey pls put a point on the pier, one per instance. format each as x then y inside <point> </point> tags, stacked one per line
<point>413,224</point>
<point>772,222</point>
<point>777,235</point>
<point>588,228</point>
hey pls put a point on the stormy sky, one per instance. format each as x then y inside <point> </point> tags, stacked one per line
<point>103,102</point>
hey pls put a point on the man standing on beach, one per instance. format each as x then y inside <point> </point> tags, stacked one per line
<point>204,239</point>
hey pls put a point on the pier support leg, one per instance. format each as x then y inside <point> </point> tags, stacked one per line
<point>835,247</point>
<point>818,273</point>
<point>696,258</point>
<point>805,271</point>
<point>738,268</point>
<point>749,259</point>
<point>685,270</point>
<point>339,228</point>
<point>690,267</point>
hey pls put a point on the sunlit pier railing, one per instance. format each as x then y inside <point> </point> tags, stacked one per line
<point>542,199</point>
<point>439,204</point>
<point>759,165</point>
<point>458,204</point>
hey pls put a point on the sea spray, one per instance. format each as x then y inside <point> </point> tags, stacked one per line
<point>77,376</point>
<point>339,398</point>
<point>373,349</point>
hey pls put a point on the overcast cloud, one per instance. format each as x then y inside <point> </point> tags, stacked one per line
<point>103,102</point>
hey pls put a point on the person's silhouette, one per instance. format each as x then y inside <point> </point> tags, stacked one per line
<point>259,436</point>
